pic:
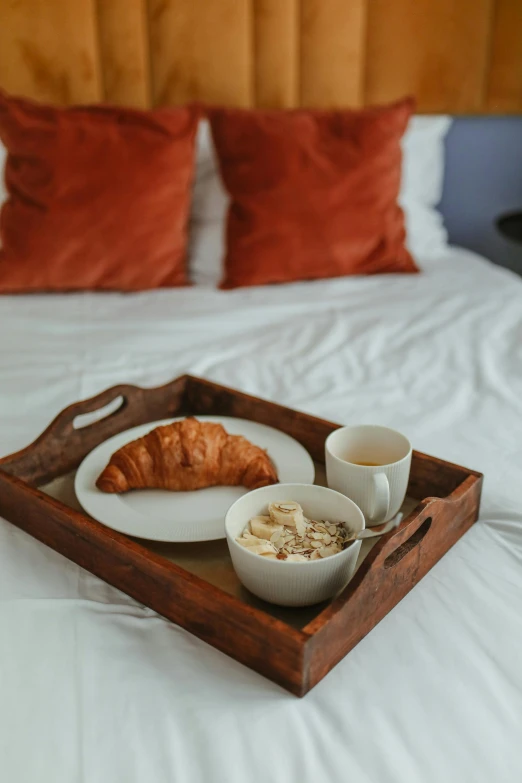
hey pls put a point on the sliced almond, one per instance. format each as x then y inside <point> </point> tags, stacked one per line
<point>300,526</point>
<point>288,535</point>
<point>328,551</point>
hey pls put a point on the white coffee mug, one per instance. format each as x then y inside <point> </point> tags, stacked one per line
<point>370,465</point>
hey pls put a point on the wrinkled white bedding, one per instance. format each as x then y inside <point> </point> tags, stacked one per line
<point>95,688</point>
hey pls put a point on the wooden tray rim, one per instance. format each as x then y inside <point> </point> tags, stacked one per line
<point>63,422</point>
<point>296,658</point>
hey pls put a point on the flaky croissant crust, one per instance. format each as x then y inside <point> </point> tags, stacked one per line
<point>187,455</point>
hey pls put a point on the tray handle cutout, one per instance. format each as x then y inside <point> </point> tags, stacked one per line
<point>87,419</point>
<point>95,412</point>
<point>127,404</point>
<point>404,542</point>
<point>402,550</point>
<point>84,425</point>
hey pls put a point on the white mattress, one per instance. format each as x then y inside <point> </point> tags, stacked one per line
<point>95,688</point>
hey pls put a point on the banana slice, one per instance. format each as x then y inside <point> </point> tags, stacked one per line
<point>262,549</point>
<point>288,513</point>
<point>259,546</point>
<point>263,527</point>
<point>248,540</point>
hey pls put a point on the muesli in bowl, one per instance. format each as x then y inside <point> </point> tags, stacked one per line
<point>286,534</point>
<point>286,570</point>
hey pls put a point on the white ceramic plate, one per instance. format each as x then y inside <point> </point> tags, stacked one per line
<point>160,515</point>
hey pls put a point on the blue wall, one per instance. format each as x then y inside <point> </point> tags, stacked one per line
<point>483,180</point>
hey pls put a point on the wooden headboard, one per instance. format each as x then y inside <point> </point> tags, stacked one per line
<point>456,56</point>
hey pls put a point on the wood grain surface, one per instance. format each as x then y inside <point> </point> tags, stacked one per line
<point>504,83</point>
<point>276,53</point>
<point>124,52</point>
<point>296,658</point>
<point>49,50</point>
<point>389,572</point>
<point>332,62</point>
<point>249,635</point>
<point>201,51</point>
<point>62,446</point>
<point>437,51</point>
<point>460,57</point>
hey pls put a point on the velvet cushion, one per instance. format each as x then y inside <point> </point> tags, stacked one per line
<point>313,193</point>
<point>98,196</point>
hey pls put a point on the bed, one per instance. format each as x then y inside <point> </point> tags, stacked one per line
<point>97,687</point>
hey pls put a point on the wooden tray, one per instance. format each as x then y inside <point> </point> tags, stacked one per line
<point>194,585</point>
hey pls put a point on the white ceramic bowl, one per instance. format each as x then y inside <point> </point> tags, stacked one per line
<point>294,584</point>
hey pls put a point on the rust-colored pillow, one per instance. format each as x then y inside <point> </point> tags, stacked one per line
<point>98,197</point>
<point>313,193</point>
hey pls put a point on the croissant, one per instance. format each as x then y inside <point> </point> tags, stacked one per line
<point>187,455</point>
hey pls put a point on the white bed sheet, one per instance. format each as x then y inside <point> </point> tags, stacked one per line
<point>95,688</point>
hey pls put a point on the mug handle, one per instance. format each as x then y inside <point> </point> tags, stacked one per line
<point>381,498</point>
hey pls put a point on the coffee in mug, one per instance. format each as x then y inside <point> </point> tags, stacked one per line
<point>369,464</point>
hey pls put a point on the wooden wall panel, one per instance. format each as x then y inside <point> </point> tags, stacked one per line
<point>504,89</point>
<point>48,50</point>
<point>201,50</point>
<point>434,49</point>
<point>332,35</point>
<point>276,53</point>
<point>456,56</point>
<point>124,55</point>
